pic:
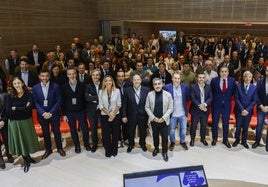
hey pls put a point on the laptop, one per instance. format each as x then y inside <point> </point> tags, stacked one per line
<point>173,177</point>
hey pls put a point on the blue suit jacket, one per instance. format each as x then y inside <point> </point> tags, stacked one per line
<point>245,100</point>
<point>220,98</point>
<point>185,91</point>
<point>54,100</point>
<point>196,99</point>
<point>262,97</point>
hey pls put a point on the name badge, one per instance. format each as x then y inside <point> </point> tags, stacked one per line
<point>74,101</point>
<point>45,103</point>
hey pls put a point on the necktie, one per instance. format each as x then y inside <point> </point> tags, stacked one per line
<point>224,86</point>
<point>246,89</point>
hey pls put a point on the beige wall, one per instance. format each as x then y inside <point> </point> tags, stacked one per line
<point>46,23</point>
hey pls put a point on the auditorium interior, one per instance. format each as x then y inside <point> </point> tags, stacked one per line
<point>48,23</point>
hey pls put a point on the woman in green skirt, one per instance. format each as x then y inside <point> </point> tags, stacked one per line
<point>22,137</point>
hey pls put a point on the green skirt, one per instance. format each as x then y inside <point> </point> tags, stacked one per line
<point>22,137</point>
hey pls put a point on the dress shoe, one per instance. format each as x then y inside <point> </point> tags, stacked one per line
<point>144,148</point>
<point>184,146</point>
<point>10,158</point>
<point>235,143</point>
<point>2,163</point>
<point>192,143</point>
<point>227,144</point>
<point>61,152</point>
<point>30,159</point>
<point>108,155</point>
<point>204,142</point>
<point>245,145</point>
<point>129,149</point>
<point>88,148</point>
<point>94,149</point>
<point>165,156</point>
<point>255,145</point>
<point>46,154</point>
<point>26,167</point>
<point>266,147</point>
<point>77,150</point>
<point>172,145</point>
<point>156,150</point>
<point>214,142</point>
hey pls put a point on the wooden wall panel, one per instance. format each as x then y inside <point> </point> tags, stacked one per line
<point>46,23</point>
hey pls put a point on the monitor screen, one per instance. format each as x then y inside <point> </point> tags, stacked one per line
<point>167,34</point>
<point>175,177</point>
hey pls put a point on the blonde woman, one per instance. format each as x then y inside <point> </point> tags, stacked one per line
<point>109,104</point>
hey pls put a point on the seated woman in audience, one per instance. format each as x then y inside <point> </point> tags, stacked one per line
<point>249,67</point>
<point>126,68</point>
<point>22,137</point>
<point>109,104</point>
<point>57,76</point>
<point>91,67</point>
<point>174,67</point>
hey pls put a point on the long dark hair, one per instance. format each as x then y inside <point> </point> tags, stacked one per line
<point>14,91</point>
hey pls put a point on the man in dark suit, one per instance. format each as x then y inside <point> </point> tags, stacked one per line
<point>227,63</point>
<point>106,70</point>
<point>180,42</point>
<point>223,88</point>
<point>73,108</point>
<point>36,57</point>
<point>133,112</point>
<point>180,94</point>
<point>82,76</point>
<point>262,91</point>
<point>91,96</point>
<point>163,74</point>
<point>245,98</point>
<point>201,97</point>
<point>29,77</point>
<point>47,99</point>
<point>122,84</point>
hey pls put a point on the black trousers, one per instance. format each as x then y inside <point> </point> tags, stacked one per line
<point>93,120</point>
<point>160,129</point>
<point>203,123</point>
<point>110,133</point>
<point>55,125</point>
<point>4,133</point>
<point>80,116</point>
<point>142,125</point>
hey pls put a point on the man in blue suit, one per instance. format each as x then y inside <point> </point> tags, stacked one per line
<point>262,91</point>
<point>245,98</point>
<point>223,88</point>
<point>201,97</point>
<point>47,98</point>
<point>180,94</point>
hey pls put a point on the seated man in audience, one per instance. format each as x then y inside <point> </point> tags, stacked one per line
<point>51,61</point>
<point>29,77</point>
<point>12,61</point>
<point>36,57</point>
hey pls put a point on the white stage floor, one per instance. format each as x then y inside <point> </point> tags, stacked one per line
<point>94,169</point>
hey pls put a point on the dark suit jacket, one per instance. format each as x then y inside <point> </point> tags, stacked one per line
<point>196,99</point>
<point>230,67</point>
<point>130,108</point>
<point>53,97</point>
<point>87,79</point>
<point>41,58</point>
<point>32,80</point>
<point>218,97</point>
<point>245,100</point>
<point>262,97</point>
<point>67,96</point>
<point>92,99</point>
<point>110,72</point>
<point>185,91</point>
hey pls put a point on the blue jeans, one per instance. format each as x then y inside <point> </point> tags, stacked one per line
<point>260,122</point>
<point>182,120</point>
